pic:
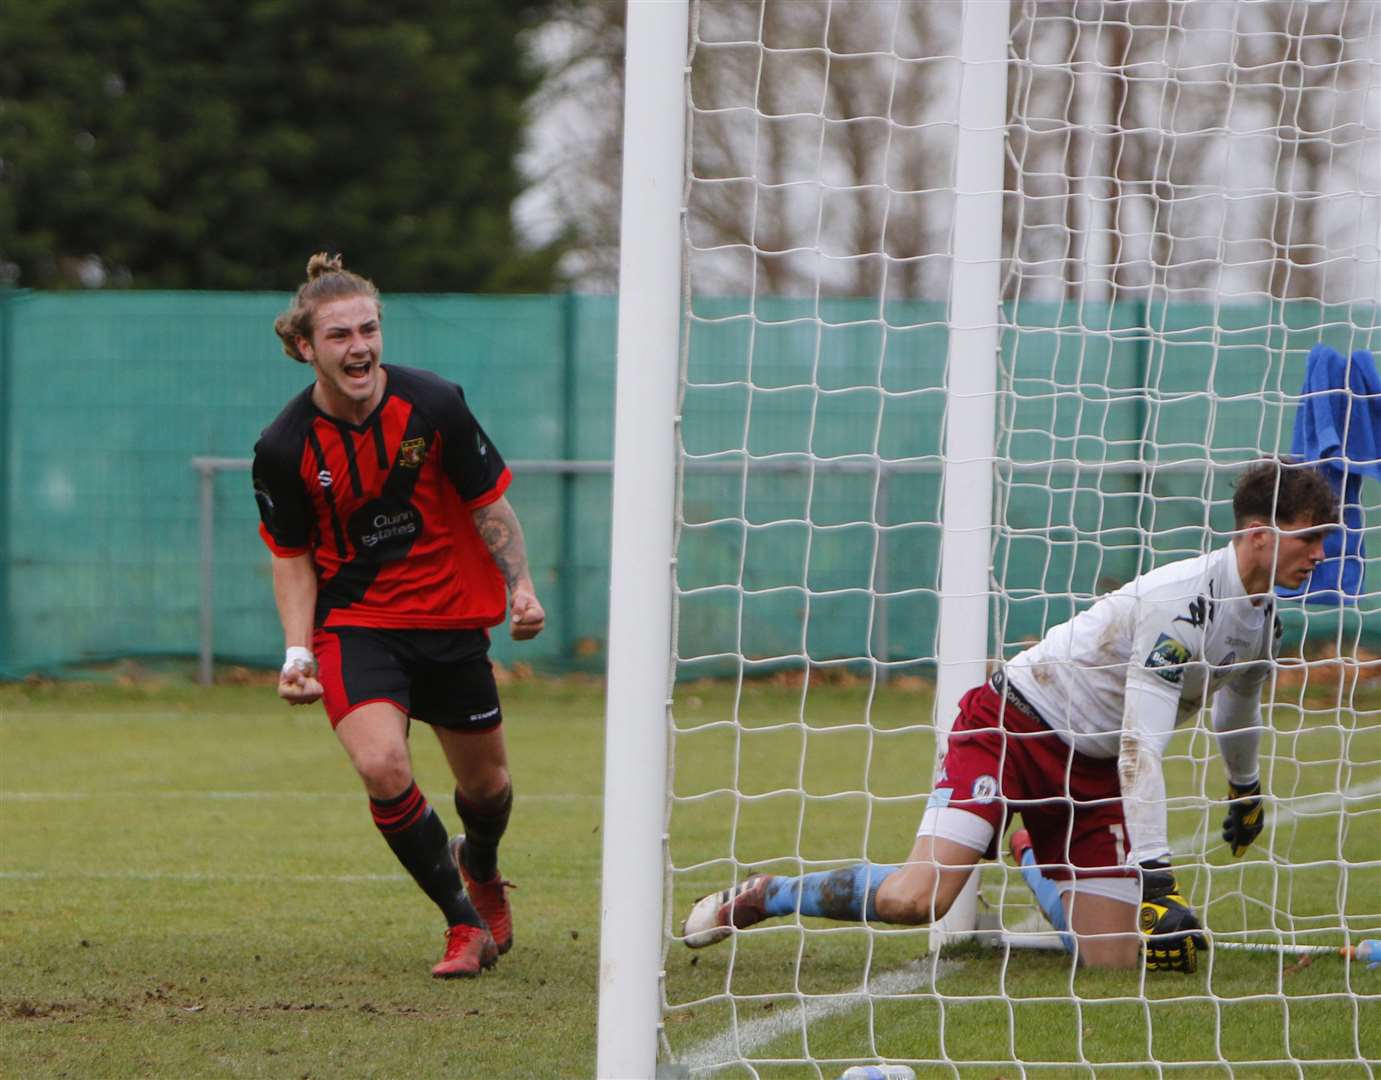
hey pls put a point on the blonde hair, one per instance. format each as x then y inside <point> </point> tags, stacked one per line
<point>327,279</point>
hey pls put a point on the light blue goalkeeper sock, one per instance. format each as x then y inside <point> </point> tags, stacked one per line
<point>1047,895</point>
<point>849,894</point>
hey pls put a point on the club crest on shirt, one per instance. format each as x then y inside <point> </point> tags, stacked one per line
<point>984,789</point>
<point>1168,658</point>
<point>411,453</point>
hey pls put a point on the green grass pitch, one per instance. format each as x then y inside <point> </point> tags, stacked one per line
<point>190,885</point>
<point>791,990</point>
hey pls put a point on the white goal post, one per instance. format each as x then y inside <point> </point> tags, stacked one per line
<point>631,924</point>
<point>971,386</point>
<point>938,320</point>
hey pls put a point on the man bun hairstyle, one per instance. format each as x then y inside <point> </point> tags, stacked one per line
<point>327,280</point>
<point>1278,490</point>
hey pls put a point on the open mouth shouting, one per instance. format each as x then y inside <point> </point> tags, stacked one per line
<point>359,372</point>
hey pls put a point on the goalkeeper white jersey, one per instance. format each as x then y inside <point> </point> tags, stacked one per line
<point>1168,641</point>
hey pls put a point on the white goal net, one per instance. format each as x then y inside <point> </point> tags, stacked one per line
<point>1189,202</point>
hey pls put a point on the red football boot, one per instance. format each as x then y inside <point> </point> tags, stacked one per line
<point>469,950</point>
<point>489,897</point>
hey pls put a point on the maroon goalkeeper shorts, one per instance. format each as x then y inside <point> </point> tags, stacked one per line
<point>1000,762</point>
<point>441,677</point>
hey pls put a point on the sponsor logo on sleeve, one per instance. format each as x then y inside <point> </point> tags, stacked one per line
<point>1168,658</point>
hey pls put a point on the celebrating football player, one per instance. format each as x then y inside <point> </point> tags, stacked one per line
<point>394,551</point>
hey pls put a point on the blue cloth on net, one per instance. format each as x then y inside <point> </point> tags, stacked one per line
<point>1338,425</point>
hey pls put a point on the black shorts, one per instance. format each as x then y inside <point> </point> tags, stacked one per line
<point>441,677</point>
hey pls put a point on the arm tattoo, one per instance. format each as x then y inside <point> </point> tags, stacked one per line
<point>503,536</point>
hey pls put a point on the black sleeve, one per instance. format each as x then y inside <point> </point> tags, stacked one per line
<point>282,500</point>
<point>471,461</point>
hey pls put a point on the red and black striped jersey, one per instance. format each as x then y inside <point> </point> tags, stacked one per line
<point>385,507</point>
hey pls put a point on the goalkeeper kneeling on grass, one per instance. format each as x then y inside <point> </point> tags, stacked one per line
<point>1071,733</point>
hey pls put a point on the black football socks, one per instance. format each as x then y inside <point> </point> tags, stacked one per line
<point>418,838</point>
<point>484,827</point>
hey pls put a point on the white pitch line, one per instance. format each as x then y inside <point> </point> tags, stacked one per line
<point>1282,810</point>
<point>153,716</point>
<point>355,796</point>
<point>732,1046</point>
<point>139,875</point>
<point>724,1049</point>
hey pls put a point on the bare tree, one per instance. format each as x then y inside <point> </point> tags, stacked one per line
<point>819,165</point>
<point>1215,129</point>
<point>575,151</point>
<point>1153,146</point>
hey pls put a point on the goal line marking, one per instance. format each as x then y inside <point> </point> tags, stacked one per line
<point>725,1048</point>
<point>720,1049</point>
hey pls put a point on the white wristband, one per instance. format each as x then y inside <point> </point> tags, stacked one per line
<point>298,657</point>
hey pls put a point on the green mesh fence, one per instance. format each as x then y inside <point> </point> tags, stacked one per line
<point>107,397</point>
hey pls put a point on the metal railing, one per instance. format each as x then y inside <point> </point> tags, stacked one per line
<point>728,462</point>
<point>208,467</point>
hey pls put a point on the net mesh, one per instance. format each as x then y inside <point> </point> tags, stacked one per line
<point>1192,201</point>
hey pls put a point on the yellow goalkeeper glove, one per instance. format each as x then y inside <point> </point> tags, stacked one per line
<point>1246,817</point>
<point>1168,924</point>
